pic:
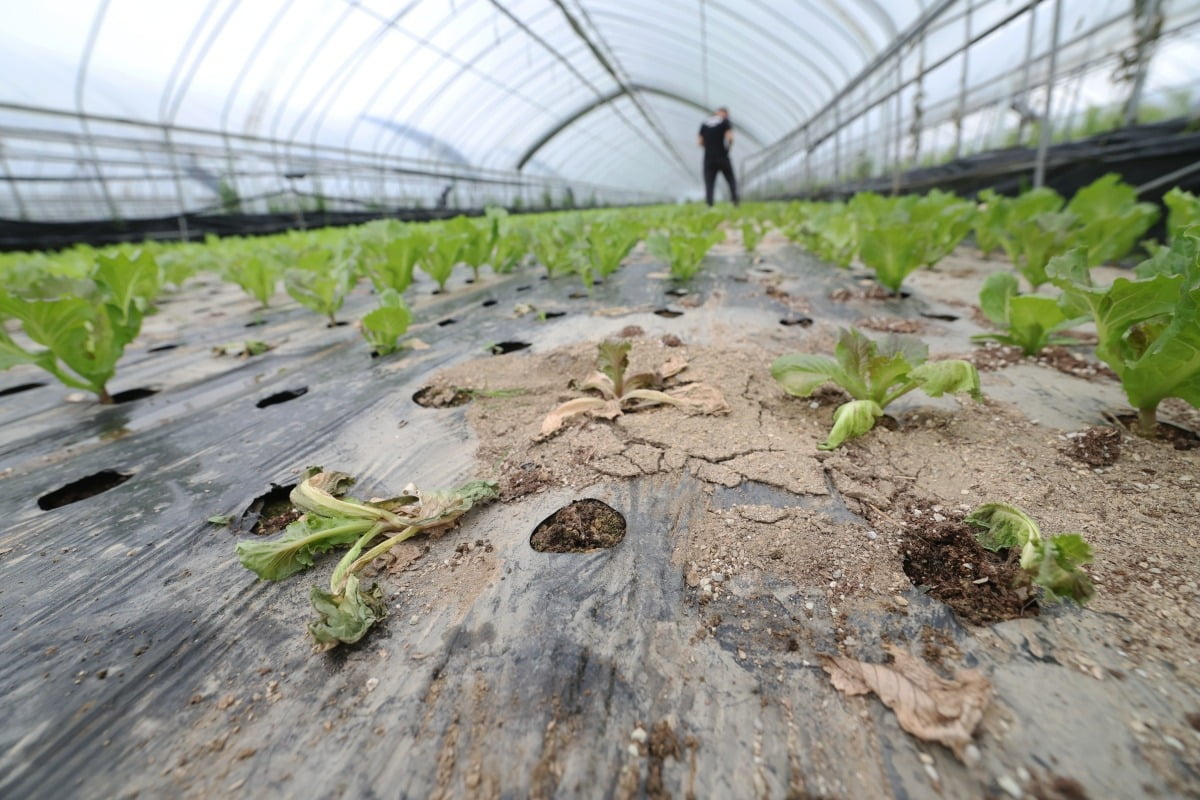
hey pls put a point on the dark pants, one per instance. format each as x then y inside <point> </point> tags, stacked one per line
<point>711,168</point>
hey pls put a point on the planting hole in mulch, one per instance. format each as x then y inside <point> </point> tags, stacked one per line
<point>631,332</point>
<point>129,395</point>
<point>339,324</point>
<point>1097,447</point>
<point>256,323</point>
<point>445,322</point>
<point>441,396</point>
<point>1177,437</point>
<point>578,295</point>
<point>944,559</point>
<point>524,288</point>
<point>803,322</point>
<point>668,313</point>
<point>940,317</point>
<point>270,512</point>
<point>678,291</point>
<point>24,387</point>
<point>282,397</point>
<point>500,348</point>
<point>583,526</point>
<point>162,348</point>
<point>83,488</point>
<point>553,314</point>
<point>489,303</point>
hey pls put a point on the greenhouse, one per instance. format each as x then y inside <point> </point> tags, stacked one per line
<point>585,398</point>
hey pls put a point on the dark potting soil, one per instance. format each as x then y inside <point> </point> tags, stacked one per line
<point>273,511</point>
<point>441,396</point>
<point>980,586</point>
<point>579,527</point>
<point>1177,437</point>
<point>1097,447</point>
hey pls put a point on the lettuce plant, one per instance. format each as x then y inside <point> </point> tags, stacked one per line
<point>557,244</point>
<point>1032,242</point>
<point>1030,322</point>
<point>384,325</point>
<point>390,259</point>
<point>753,231</point>
<point>1052,563</point>
<point>347,611</point>
<point>257,275</point>
<point>619,392</point>
<point>607,242</point>
<point>83,324</point>
<point>1148,329</point>
<point>875,374</point>
<point>683,249</point>
<point>442,252</point>
<point>323,279</point>
<point>1110,217</point>
<point>475,241</point>
<point>989,223</point>
<point>1183,211</point>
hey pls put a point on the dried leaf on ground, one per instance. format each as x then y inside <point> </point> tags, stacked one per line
<point>926,705</point>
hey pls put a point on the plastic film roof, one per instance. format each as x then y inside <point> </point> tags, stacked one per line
<point>597,91</point>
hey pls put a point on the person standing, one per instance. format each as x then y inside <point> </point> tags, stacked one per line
<point>716,137</point>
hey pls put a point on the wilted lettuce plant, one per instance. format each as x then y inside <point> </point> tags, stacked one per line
<point>346,611</point>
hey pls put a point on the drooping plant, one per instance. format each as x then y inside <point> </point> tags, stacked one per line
<point>347,611</point>
<point>1051,563</point>
<point>1030,322</point>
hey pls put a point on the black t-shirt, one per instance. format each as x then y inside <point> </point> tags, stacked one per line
<point>712,131</point>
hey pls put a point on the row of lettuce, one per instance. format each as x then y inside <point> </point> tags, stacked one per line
<point>77,310</point>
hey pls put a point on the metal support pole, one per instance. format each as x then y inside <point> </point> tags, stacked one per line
<point>1024,109</point>
<point>22,213</point>
<point>807,159</point>
<point>897,163</point>
<point>1148,25</point>
<point>918,98</point>
<point>837,143</point>
<point>183,226</point>
<point>1039,169</point>
<point>962,82</point>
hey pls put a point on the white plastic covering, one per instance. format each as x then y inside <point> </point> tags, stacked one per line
<point>131,108</point>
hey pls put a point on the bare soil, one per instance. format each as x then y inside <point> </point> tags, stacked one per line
<point>579,527</point>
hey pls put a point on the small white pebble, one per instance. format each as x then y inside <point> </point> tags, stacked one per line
<point>872,535</point>
<point>639,735</point>
<point>634,751</point>
<point>1010,787</point>
<point>372,683</point>
<point>932,773</point>
<point>925,758</point>
<point>809,606</point>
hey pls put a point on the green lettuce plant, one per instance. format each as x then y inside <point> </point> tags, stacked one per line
<point>1183,211</point>
<point>1030,322</point>
<point>1052,563</point>
<point>346,611</point>
<point>1148,329</point>
<point>683,249</point>
<point>383,326</point>
<point>1111,220</point>
<point>875,374</point>
<point>82,324</point>
<point>322,280</point>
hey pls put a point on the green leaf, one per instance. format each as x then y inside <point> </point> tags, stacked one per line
<point>129,284</point>
<point>387,323</point>
<point>801,373</point>
<point>1004,526</point>
<point>276,559</point>
<point>850,420</point>
<point>894,250</point>
<point>952,375</point>
<point>997,291</point>
<point>345,617</point>
<point>221,519</point>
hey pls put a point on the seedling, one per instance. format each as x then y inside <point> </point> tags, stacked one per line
<point>1031,321</point>
<point>383,326</point>
<point>1052,563</point>
<point>347,611</point>
<point>620,392</point>
<point>875,374</point>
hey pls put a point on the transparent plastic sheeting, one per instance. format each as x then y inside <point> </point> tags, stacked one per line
<point>129,108</point>
<point>981,75</point>
<point>133,108</point>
